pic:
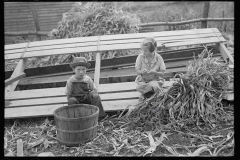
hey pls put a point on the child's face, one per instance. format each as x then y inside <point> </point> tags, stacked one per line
<point>145,50</point>
<point>80,71</point>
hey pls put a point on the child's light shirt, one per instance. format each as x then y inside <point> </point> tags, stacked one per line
<point>157,64</point>
<point>86,79</point>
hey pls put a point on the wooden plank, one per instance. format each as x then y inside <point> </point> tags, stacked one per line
<point>120,37</point>
<point>229,96</point>
<point>43,20</point>
<point>126,41</point>
<point>205,14</point>
<point>155,34</point>
<point>97,69</point>
<point>58,46</point>
<point>57,92</point>
<point>54,42</point>
<point>13,79</point>
<point>225,53</point>
<point>48,92</point>
<point>119,61</point>
<point>160,38</point>
<point>14,46</point>
<point>52,52</point>
<point>18,70</point>
<point>48,110</point>
<point>43,5</point>
<point>106,48</point>
<point>97,66</point>
<point>14,5</point>
<point>184,42</point>
<point>171,67</point>
<point>19,148</point>
<point>63,100</point>
<point>230,86</point>
<point>84,44</point>
<point>35,17</point>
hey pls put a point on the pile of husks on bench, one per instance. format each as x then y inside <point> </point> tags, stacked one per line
<point>195,99</point>
<point>95,19</point>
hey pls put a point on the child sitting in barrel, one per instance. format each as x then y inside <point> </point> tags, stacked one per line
<point>150,69</point>
<point>80,88</point>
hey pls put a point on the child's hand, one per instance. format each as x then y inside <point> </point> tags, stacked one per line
<point>151,72</point>
<point>144,71</point>
<point>95,94</point>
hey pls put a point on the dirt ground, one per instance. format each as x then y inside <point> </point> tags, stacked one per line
<point>112,139</point>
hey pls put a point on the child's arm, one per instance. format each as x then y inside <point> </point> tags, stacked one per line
<point>92,85</point>
<point>93,88</point>
<point>68,89</point>
<point>161,70</point>
<point>138,66</point>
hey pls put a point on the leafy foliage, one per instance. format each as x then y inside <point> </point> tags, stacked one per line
<point>94,19</point>
<point>194,99</point>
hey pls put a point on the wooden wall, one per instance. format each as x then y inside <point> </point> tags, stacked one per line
<point>18,16</point>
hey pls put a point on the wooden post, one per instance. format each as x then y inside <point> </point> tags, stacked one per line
<point>18,70</point>
<point>223,24</point>
<point>35,17</point>
<point>97,69</point>
<point>225,53</point>
<point>205,13</point>
<point>14,79</point>
<point>97,66</point>
<point>19,148</point>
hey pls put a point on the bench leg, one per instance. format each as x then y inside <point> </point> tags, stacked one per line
<point>225,53</point>
<point>18,70</point>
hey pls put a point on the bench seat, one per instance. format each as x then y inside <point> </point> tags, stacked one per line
<point>42,102</point>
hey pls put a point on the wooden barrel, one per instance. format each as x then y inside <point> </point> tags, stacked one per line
<point>76,124</point>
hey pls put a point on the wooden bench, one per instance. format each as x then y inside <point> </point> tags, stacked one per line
<point>115,96</point>
<point>120,69</point>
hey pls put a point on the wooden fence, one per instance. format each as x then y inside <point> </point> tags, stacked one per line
<point>38,19</point>
<point>18,16</point>
<point>44,33</point>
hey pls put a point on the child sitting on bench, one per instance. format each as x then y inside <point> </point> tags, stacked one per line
<point>80,88</point>
<point>150,69</point>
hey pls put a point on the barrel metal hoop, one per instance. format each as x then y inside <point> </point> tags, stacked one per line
<point>67,131</point>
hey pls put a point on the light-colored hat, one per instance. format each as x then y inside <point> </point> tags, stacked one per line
<point>151,40</point>
<point>80,61</point>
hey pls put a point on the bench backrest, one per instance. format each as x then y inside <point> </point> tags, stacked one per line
<point>112,42</point>
<point>107,43</point>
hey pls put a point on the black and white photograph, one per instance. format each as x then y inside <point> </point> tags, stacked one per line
<point>119,79</point>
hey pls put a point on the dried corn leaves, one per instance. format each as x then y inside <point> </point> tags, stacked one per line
<point>93,19</point>
<point>187,119</point>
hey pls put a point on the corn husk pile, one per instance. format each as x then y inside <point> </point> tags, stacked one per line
<point>195,99</point>
<point>187,119</point>
<point>94,19</point>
